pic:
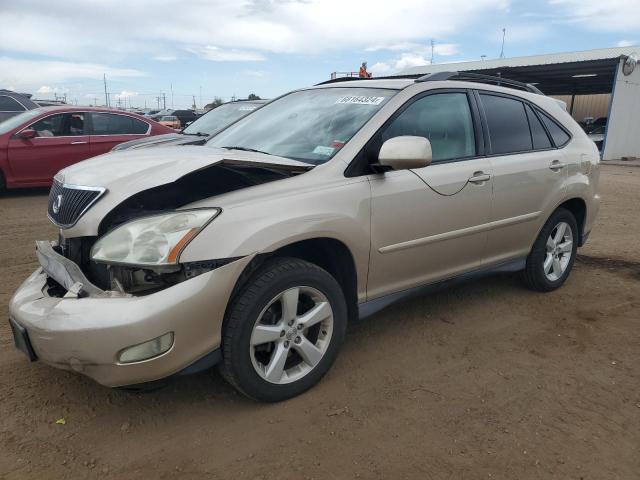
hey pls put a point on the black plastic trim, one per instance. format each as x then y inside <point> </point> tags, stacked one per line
<point>370,307</point>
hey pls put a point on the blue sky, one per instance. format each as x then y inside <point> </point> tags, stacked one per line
<point>267,47</point>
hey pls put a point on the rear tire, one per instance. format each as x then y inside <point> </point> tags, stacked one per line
<point>3,183</point>
<point>554,251</point>
<point>283,330</point>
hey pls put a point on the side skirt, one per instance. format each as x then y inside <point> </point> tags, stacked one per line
<point>370,307</point>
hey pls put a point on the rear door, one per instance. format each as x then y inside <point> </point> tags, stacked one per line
<point>110,129</point>
<point>61,140</point>
<point>529,174</point>
<point>429,224</point>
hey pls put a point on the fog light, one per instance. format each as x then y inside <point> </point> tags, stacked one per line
<point>147,350</point>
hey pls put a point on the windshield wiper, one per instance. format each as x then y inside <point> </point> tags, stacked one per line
<point>197,134</point>
<point>245,149</point>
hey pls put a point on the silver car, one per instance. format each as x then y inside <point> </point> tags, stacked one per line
<point>254,251</point>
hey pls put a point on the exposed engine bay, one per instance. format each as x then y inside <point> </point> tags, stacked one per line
<point>223,177</point>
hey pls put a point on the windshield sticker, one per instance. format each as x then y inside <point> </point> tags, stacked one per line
<point>322,150</point>
<point>360,100</point>
<point>247,108</point>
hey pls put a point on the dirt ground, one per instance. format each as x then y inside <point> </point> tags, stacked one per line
<point>485,380</point>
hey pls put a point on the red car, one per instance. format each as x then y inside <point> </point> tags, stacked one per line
<point>38,143</point>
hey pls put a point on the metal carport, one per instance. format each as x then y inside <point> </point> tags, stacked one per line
<point>573,73</point>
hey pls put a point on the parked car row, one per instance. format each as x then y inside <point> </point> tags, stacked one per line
<point>37,143</point>
<point>254,250</point>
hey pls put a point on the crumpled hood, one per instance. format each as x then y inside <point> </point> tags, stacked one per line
<point>160,140</point>
<point>125,173</point>
<point>137,170</point>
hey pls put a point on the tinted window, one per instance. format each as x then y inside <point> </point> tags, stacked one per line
<point>508,125</point>
<point>538,133</point>
<point>445,119</point>
<point>559,136</point>
<point>8,104</point>
<point>112,124</point>
<point>61,125</point>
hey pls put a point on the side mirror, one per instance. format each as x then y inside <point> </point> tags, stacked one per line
<point>406,152</point>
<point>27,134</point>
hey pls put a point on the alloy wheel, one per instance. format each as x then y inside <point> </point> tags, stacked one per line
<point>291,335</point>
<point>559,250</point>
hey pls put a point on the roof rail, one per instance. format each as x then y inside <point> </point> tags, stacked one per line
<point>477,77</point>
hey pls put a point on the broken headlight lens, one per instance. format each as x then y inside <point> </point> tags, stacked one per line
<point>155,240</point>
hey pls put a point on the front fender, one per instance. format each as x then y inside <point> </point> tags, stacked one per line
<point>341,212</point>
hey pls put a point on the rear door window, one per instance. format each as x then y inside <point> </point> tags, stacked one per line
<point>113,124</point>
<point>508,124</point>
<point>444,119</point>
<point>560,137</point>
<point>8,104</point>
<point>538,133</point>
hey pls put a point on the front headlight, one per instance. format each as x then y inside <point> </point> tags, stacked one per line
<point>155,240</point>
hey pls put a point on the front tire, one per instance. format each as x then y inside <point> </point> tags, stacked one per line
<point>553,254</point>
<point>283,330</point>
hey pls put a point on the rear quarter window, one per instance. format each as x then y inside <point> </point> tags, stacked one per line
<point>559,135</point>
<point>8,104</point>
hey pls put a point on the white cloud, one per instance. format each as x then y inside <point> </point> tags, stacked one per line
<point>626,43</point>
<point>408,60</point>
<point>165,58</point>
<point>244,30</point>
<point>217,54</point>
<point>45,89</point>
<point>32,72</point>
<point>380,68</point>
<point>612,15</point>
<point>126,94</point>
<point>255,73</point>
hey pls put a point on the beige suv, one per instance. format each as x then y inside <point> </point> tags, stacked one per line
<point>329,203</point>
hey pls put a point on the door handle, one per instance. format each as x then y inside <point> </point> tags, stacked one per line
<point>479,177</point>
<point>79,143</point>
<point>557,165</point>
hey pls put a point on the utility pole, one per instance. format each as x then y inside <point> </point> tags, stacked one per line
<point>194,102</point>
<point>164,101</point>
<point>171,85</point>
<point>432,50</point>
<point>106,95</point>
<point>504,31</point>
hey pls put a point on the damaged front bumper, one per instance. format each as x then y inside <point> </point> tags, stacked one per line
<point>86,329</point>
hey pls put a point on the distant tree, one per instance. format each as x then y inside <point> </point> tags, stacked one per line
<point>217,101</point>
<point>253,96</point>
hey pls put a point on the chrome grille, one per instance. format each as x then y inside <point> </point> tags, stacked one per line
<point>67,203</point>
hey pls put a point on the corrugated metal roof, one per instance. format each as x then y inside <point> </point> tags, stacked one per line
<point>547,59</point>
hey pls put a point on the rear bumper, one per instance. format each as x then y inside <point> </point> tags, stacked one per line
<point>86,334</point>
<point>592,212</point>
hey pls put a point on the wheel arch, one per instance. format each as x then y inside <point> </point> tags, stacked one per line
<point>578,207</point>
<point>328,253</point>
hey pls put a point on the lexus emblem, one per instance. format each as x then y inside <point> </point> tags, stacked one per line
<point>57,204</point>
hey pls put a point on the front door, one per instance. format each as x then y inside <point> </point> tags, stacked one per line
<point>430,224</point>
<point>60,141</point>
